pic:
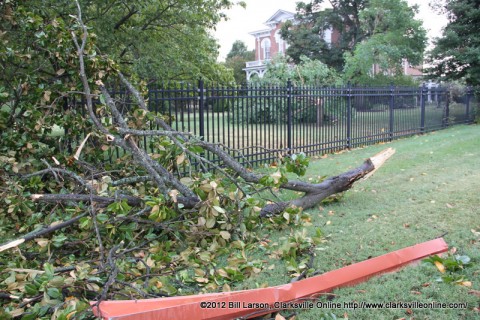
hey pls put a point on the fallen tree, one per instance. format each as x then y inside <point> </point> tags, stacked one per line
<point>138,226</point>
<point>121,135</point>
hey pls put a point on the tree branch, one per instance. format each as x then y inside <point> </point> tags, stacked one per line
<point>125,18</point>
<point>72,197</point>
<point>65,172</point>
<point>332,185</point>
<point>41,232</point>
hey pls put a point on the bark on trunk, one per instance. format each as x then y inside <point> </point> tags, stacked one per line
<point>331,186</point>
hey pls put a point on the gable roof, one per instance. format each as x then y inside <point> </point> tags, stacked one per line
<point>279,16</point>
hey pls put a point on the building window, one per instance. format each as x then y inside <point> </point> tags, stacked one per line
<point>280,42</point>
<point>266,44</point>
<point>327,36</point>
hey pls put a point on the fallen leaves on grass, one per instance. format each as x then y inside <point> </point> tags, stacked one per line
<point>439,266</point>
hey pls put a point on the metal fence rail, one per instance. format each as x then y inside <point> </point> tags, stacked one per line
<point>256,123</point>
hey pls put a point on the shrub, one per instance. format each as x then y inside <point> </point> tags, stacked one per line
<point>218,104</point>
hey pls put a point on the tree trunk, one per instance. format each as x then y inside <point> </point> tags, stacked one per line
<point>331,186</point>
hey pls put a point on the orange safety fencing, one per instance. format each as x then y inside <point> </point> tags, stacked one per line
<point>253,303</point>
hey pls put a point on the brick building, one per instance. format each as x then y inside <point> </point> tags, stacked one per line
<point>269,43</point>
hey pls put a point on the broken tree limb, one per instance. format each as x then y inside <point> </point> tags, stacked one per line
<point>41,232</point>
<point>72,197</point>
<point>331,186</point>
<point>65,172</point>
<point>314,193</point>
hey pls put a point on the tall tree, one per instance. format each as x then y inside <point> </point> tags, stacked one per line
<point>306,36</point>
<point>456,54</point>
<point>239,48</point>
<point>392,34</point>
<point>236,59</point>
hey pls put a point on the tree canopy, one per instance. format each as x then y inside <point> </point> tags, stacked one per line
<point>307,72</point>
<point>152,39</point>
<point>392,36</point>
<point>236,59</point>
<point>306,37</point>
<point>456,55</point>
<point>370,32</point>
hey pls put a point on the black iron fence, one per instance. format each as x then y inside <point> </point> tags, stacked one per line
<point>256,123</point>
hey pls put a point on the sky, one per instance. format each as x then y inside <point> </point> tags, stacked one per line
<point>242,21</point>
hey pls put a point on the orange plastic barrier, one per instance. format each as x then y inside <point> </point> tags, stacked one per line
<point>246,303</point>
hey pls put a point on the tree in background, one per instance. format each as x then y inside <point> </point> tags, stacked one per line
<point>236,59</point>
<point>372,32</point>
<point>307,72</point>
<point>391,35</point>
<point>306,36</point>
<point>456,55</point>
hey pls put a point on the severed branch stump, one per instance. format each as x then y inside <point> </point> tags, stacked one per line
<point>330,186</point>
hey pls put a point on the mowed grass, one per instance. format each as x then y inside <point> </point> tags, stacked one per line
<point>429,188</point>
<point>229,129</point>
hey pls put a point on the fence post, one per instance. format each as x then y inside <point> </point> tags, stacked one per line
<point>201,107</point>
<point>422,106</point>
<point>289,116</point>
<point>392,104</point>
<point>467,104</point>
<point>447,108</point>
<point>349,115</point>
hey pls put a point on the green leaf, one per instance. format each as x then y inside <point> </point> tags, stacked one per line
<point>58,240</point>
<point>210,222</point>
<point>49,270</point>
<point>219,209</point>
<point>31,316</point>
<point>31,289</point>
<point>196,149</point>
<point>54,293</point>
<point>102,217</point>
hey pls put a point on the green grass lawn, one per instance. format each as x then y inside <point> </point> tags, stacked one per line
<point>224,127</point>
<point>366,128</point>
<point>428,188</point>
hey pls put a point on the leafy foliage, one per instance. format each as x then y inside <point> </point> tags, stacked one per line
<point>307,72</point>
<point>307,36</point>
<point>365,33</point>
<point>162,250</point>
<point>236,59</point>
<point>151,39</point>
<point>456,53</point>
<point>452,268</point>
<point>297,163</point>
<point>392,36</point>
<point>39,70</point>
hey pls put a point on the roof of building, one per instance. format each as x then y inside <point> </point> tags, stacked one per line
<point>280,16</point>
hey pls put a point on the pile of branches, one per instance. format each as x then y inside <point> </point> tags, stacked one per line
<point>142,230</point>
